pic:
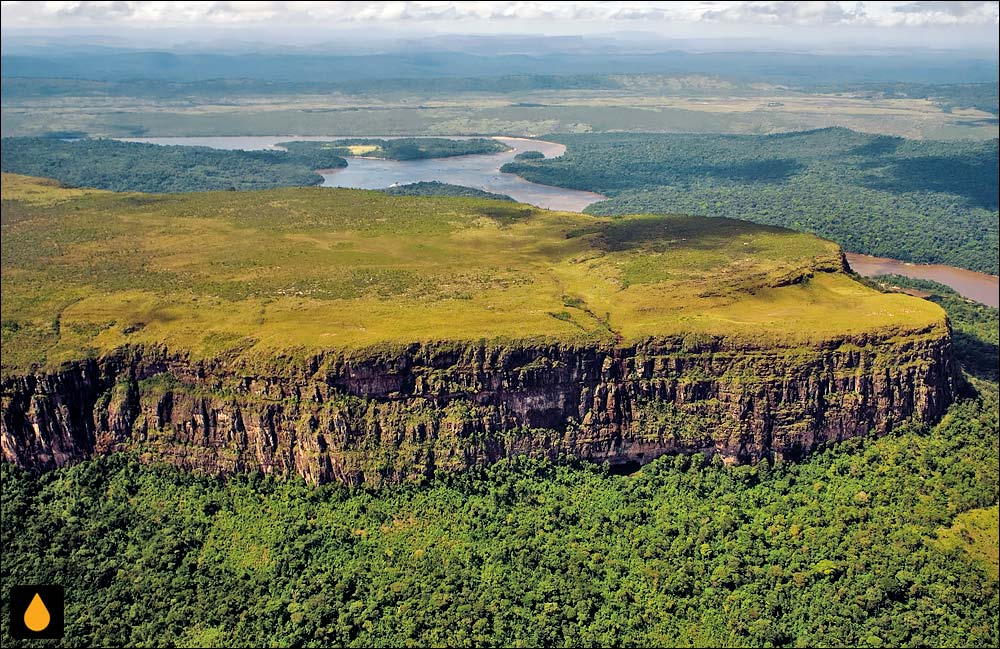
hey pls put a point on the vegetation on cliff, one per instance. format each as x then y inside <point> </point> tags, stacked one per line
<point>975,327</point>
<point>920,201</point>
<point>887,542</point>
<point>86,271</point>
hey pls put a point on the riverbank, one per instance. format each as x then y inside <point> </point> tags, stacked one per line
<point>975,286</point>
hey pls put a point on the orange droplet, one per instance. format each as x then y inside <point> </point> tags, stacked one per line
<point>37,616</point>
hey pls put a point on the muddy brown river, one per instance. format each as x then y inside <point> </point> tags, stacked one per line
<point>975,286</point>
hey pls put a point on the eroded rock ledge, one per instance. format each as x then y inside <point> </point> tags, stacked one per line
<point>398,414</point>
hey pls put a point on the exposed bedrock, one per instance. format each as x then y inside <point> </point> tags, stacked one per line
<point>393,415</point>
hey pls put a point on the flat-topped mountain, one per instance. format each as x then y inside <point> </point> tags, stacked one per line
<point>351,335</point>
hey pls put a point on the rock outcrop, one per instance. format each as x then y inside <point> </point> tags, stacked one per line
<point>399,414</point>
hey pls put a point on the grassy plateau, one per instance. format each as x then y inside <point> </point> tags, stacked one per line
<point>307,269</point>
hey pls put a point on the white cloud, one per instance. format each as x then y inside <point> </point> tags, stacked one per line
<point>940,13</point>
<point>876,14</point>
<point>155,14</point>
<point>786,13</point>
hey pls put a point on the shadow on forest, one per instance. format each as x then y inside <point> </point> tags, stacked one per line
<point>776,170</point>
<point>980,358</point>
<point>973,178</point>
<point>879,146</point>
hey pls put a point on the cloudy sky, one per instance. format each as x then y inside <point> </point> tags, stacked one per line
<point>925,23</point>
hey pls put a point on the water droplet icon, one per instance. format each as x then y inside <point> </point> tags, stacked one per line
<point>37,617</point>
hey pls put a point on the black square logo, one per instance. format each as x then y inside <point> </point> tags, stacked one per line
<point>36,612</point>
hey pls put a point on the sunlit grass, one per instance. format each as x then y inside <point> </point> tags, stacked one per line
<point>362,149</point>
<point>309,269</point>
<point>976,533</point>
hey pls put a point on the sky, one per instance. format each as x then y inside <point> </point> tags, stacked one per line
<point>819,24</point>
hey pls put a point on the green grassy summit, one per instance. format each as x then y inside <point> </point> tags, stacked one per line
<point>87,271</point>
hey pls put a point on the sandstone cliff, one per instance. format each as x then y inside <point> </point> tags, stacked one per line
<point>398,414</point>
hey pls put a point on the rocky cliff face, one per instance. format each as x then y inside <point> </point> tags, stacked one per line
<point>395,415</point>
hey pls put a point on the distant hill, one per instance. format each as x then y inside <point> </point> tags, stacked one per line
<point>778,67</point>
<point>435,188</point>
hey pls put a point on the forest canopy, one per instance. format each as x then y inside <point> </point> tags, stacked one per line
<point>140,167</point>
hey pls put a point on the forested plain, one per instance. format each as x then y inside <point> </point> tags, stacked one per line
<point>916,200</point>
<point>138,167</point>
<point>873,542</point>
<point>948,96</point>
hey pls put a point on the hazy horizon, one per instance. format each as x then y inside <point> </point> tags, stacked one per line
<point>819,27</point>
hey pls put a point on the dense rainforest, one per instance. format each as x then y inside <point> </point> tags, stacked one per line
<point>880,542</point>
<point>133,166</point>
<point>919,201</point>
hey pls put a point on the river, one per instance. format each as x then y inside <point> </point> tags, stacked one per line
<point>483,172</point>
<point>975,286</point>
<point>479,171</point>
